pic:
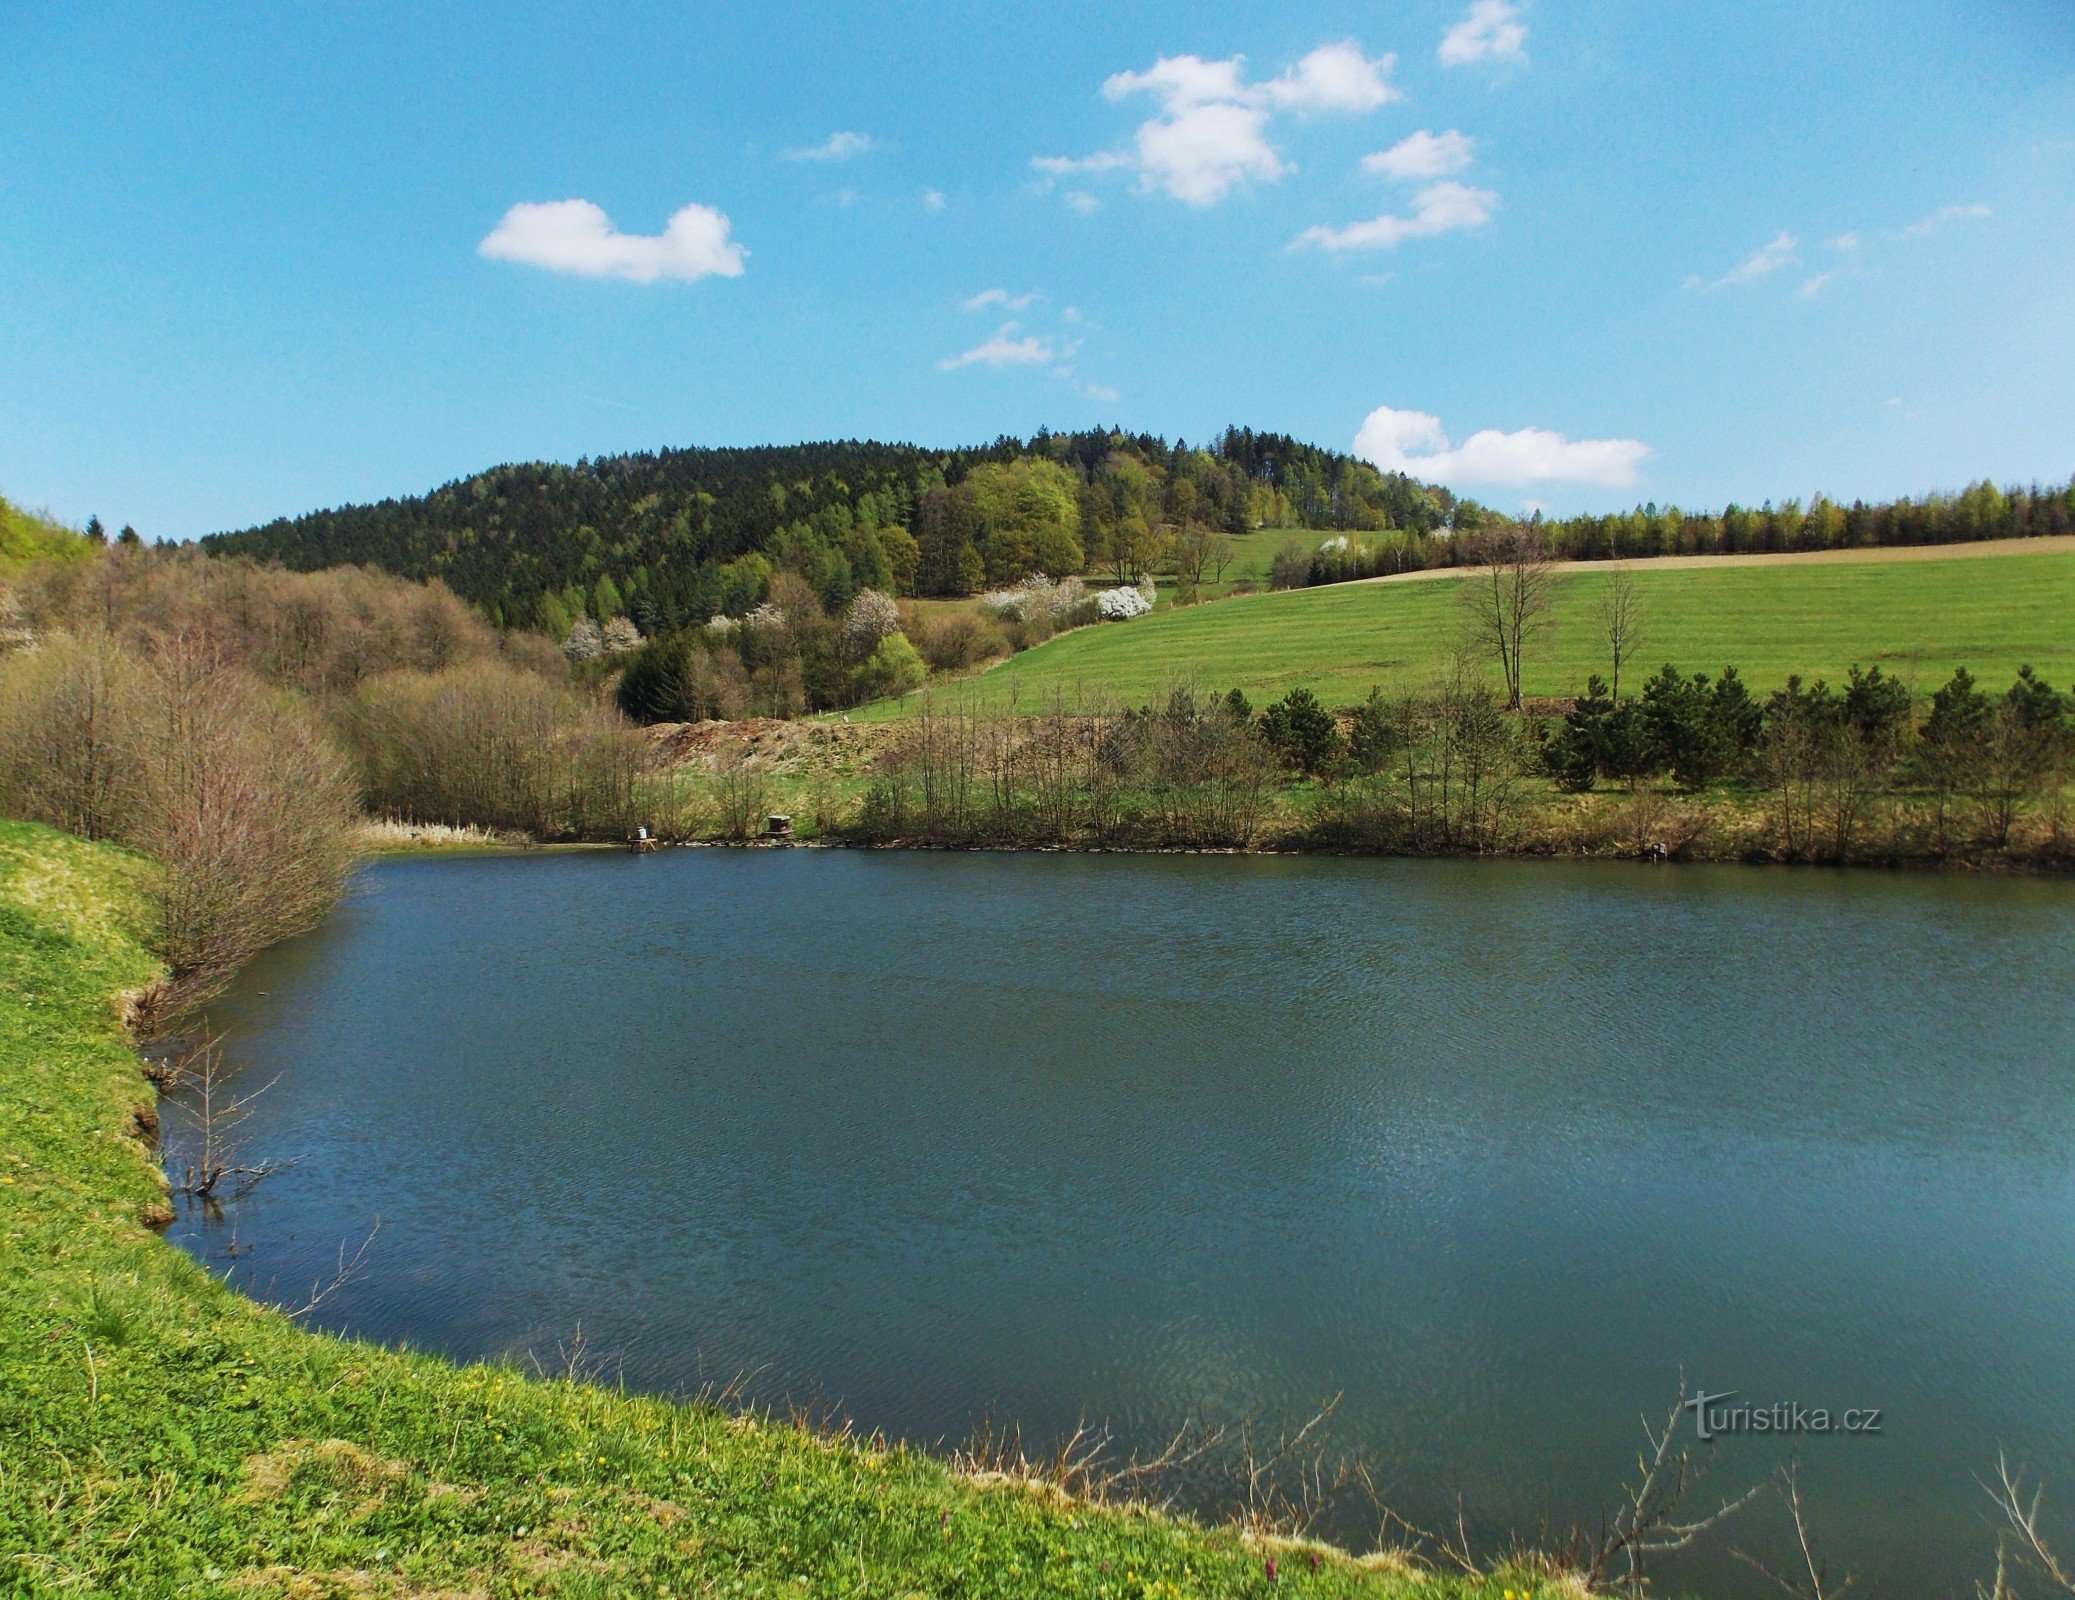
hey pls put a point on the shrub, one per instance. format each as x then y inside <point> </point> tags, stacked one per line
<point>894,668</point>
<point>956,642</point>
<point>233,788</point>
<point>1303,733</point>
<point>1122,604</point>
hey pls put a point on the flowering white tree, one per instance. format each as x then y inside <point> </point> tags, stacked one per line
<point>585,642</point>
<point>1037,595</point>
<point>1121,605</point>
<point>621,636</point>
<point>871,617</point>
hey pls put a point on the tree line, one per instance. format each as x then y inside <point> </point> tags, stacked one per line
<point>1861,772</point>
<point>1982,511</point>
<point>674,537</point>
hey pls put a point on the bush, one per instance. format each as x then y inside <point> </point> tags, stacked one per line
<point>1303,733</point>
<point>957,642</point>
<point>232,788</point>
<point>894,668</point>
<point>1122,604</point>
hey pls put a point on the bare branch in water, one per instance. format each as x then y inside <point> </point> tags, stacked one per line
<point>322,1291</point>
<point>1788,1484</point>
<point>2019,1503</point>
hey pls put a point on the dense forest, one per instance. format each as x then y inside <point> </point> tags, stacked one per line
<point>675,537</point>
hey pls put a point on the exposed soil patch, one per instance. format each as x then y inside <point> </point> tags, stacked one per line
<point>766,744</point>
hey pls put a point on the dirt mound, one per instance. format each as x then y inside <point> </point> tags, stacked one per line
<point>767,744</point>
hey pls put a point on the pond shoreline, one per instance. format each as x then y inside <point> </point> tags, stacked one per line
<point>2049,867</point>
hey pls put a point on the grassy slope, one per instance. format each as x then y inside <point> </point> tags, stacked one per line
<point>1918,618</point>
<point>161,1436</point>
<point>26,536</point>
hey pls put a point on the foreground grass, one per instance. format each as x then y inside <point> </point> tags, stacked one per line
<point>1918,619</point>
<point>161,1436</point>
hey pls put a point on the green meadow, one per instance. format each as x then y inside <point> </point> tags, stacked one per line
<point>1917,618</point>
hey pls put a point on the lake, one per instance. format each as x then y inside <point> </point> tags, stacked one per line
<point>1495,1153</point>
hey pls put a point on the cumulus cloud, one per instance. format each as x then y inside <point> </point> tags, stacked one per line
<point>1082,201</point>
<point>1002,298</point>
<point>836,147</point>
<point>1003,349</point>
<point>933,199</point>
<point>576,236</point>
<point>1489,31</point>
<point>1334,77</point>
<point>1423,155</point>
<point>1943,215</point>
<point>1413,442</point>
<point>1211,134</point>
<point>1200,155</point>
<point>1438,208</point>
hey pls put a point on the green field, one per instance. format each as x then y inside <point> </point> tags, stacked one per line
<point>1918,618</point>
<point>160,1436</point>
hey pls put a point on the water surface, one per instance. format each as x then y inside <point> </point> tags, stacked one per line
<point>1496,1153</point>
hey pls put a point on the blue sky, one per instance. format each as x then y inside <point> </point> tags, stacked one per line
<point>259,259</point>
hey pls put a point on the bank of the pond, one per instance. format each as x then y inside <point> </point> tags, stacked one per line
<point>162,1436</point>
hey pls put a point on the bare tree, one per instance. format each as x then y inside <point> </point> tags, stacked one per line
<point>1191,552</point>
<point>1510,595</point>
<point>217,1163</point>
<point>2019,1505</point>
<point>1220,557</point>
<point>1649,1520</point>
<point>1620,621</point>
<point>1816,1585</point>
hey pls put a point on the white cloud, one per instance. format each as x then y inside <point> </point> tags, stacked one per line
<point>1943,215</point>
<point>1180,82</point>
<point>1201,154</point>
<point>1490,30</point>
<point>933,199</point>
<point>1082,201</point>
<point>1763,262</point>
<point>1438,208</point>
<point>576,236</point>
<point>1423,155</point>
<point>1211,134</point>
<point>1003,349</point>
<point>1335,77</point>
<point>1062,166</point>
<point>836,147</point>
<point>1845,241</point>
<point>1811,287</point>
<point>1412,442</point>
<point>1002,298</point>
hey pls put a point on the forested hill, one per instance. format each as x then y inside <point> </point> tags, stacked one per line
<point>675,536</point>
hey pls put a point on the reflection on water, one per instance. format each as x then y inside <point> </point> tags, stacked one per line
<point>1495,1152</point>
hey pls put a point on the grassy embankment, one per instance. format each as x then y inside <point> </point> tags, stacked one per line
<point>159,1435</point>
<point>1915,614</point>
<point>30,536</point>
